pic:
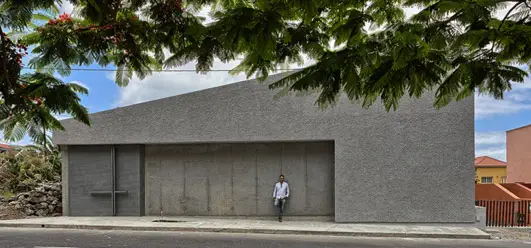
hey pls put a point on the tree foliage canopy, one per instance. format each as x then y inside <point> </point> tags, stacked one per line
<point>28,101</point>
<point>365,49</point>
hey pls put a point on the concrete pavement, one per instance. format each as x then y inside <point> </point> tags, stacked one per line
<point>232,225</point>
<point>61,238</point>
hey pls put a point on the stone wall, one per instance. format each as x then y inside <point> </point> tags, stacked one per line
<point>43,200</point>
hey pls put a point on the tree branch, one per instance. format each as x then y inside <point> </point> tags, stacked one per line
<point>508,13</point>
<point>494,44</point>
<point>6,46</point>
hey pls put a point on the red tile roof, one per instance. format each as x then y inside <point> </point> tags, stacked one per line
<point>486,161</point>
<point>5,146</point>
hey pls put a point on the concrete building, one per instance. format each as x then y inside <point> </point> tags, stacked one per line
<point>218,152</point>
<point>490,170</point>
<point>518,145</point>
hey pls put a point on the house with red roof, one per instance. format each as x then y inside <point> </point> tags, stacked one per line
<point>490,170</point>
<point>5,148</point>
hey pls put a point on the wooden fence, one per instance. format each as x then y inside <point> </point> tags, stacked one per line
<point>507,213</point>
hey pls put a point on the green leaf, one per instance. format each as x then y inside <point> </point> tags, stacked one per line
<point>41,17</point>
<point>121,77</point>
<point>455,47</point>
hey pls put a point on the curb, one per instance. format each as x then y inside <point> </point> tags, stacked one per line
<point>254,231</point>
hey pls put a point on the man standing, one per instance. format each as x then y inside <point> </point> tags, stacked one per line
<point>280,194</point>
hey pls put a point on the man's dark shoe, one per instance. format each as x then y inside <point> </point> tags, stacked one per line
<point>279,219</point>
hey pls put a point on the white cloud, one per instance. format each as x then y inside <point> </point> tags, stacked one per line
<point>500,14</point>
<point>62,116</point>
<point>165,84</point>
<point>411,11</point>
<point>526,85</point>
<point>490,144</point>
<point>170,84</point>
<point>514,102</point>
<point>67,7</point>
<point>490,138</point>
<point>495,152</point>
<point>486,106</point>
<point>519,97</point>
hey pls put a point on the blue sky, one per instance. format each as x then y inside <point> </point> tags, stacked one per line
<point>492,117</point>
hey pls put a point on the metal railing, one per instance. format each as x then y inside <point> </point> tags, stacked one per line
<point>511,213</point>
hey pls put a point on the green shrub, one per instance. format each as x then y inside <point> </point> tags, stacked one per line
<point>7,194</point>
<point>22,169</point>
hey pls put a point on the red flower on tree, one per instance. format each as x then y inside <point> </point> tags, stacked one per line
<point>63,18</point>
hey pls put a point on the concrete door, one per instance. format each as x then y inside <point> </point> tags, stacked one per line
<point>238,179</point>
<point>89,174</point>
<point>91,178</point>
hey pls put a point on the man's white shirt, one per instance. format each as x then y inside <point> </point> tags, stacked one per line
<point>281,190</point>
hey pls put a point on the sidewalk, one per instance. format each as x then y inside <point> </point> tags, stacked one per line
<point>231,225</point>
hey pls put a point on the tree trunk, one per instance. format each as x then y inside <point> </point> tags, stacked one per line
<point>44,150</point>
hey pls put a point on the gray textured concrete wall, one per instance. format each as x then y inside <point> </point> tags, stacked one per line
<point>238,179</point>
<point>481,217</point>
<point>130,178</point>
<point>89,171</point>
<point>409,165</point>
<point>89,174</point>
<point>64,182</point>
<point>397,173</point>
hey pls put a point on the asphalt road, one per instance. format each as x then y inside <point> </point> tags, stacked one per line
<point>59,238</point>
